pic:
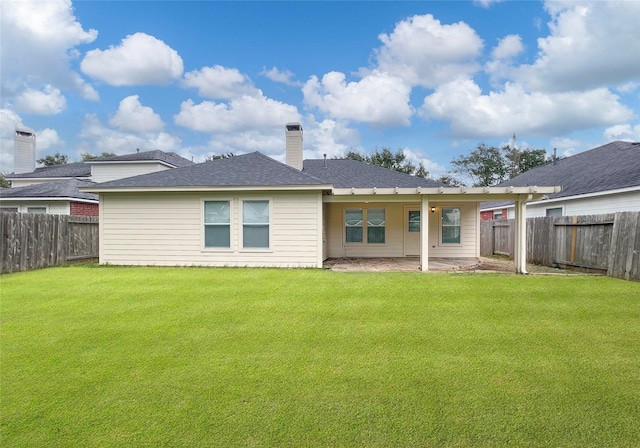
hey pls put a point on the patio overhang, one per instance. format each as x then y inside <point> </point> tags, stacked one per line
<point>428,197</point>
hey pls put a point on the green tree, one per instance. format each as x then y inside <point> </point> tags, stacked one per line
<point>88,156</point>
<point>385,158</point>
<point>55,159</point>
<point>219,156</point>
<point>4,183</point>
<point>488,165</point>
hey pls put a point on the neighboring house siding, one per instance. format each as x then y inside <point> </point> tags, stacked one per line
<point>168,228</point>
<point>24,182</point>
<point>395,231</point>
<point>52,207</point>
<point>83,209</point>
<point>112,171</point>
<point>596,205</point>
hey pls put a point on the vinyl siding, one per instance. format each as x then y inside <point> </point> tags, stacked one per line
<point>105,172</point>
<point>336,247</point>
<point>37,181</point>
<point>469,245</point>
<point>53,207</point>
<point>596,205</point>
<point>167,229</point>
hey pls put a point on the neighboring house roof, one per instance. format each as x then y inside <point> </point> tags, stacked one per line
<point>613,166</point>
<point>83,169</point>
<point>347,173</point>
<point>77,169</point>
<point>67,189</point>
<point>169,158</point>
<point>254,169</point>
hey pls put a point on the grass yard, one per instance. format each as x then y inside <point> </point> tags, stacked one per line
<point>192,357</point>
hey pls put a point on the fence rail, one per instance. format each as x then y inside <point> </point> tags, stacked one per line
<point>604,243</point>
<point>31,241</point>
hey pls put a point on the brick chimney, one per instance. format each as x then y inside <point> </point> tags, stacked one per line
<point>24,146</point>
<point>294,145</point>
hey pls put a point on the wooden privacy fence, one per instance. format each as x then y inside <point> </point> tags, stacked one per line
<point>32,241</point>
<point>607,243</point>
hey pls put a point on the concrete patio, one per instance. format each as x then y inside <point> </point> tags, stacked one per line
<point>408,264</point>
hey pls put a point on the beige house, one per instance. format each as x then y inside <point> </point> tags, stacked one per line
<point>251,210</point>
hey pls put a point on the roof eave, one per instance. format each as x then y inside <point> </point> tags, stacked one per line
<point>44,198</point>
<point>99,189</point>
<point>446,191</point>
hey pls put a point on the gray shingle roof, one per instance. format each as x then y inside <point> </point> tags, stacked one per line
<point>347,173</point>
<point>59,189</point>
<point>612,166</point>
<point>77,169</point>
<point>254,169</point>
<point>155,155</point>
<point>609,167</point>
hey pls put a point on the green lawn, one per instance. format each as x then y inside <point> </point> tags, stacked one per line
<point>188,357</point>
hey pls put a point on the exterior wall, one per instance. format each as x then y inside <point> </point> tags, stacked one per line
<point>53,207</point>
<point>395,232</point>
<point>167,229</point>
<point>104,172</point>
<point>595,205</point>
<point>24,182</point>
<point>490,214</point>
<point>469,246</point>
<point>83,209</point>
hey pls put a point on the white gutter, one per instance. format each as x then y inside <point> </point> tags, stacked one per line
<point>40,199</point>
<point>99,189</point>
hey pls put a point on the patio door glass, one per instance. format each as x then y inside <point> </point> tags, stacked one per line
<point>412,233</point>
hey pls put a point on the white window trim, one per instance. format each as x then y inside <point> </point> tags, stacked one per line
<point>365,217</point>
<point>441,243</point>
<point>561,207</point>
<point>203,225</point>
<point>241,225</point>
<point>45,207</point>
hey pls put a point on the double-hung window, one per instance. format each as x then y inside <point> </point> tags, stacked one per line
<point>255,224</point>
<point>217,224</point>
<point>355,221</point>
<point>451,225</point>
<point>375,225</point>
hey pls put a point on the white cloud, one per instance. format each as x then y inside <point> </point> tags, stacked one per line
<point>564,143</point>
<point>592,43</point>
<point>378,99</point>
<point>474,115</point>
<point>97,138</point>
<point>486,3</point>
<point>238,115</point>
<point>39,39</point>
<point>132,116</point>
<point>501,64</point>
<point>218,82</point>
<point>329,137</point>
<point>281,76</point>
<point>625,132</point>
<point>46,139</point>
<point>422,51</point>
<point>48,101</point>
<point>508,47</point>
<point>140,59</point>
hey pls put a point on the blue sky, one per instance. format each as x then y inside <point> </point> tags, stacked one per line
<point>207,77</point>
